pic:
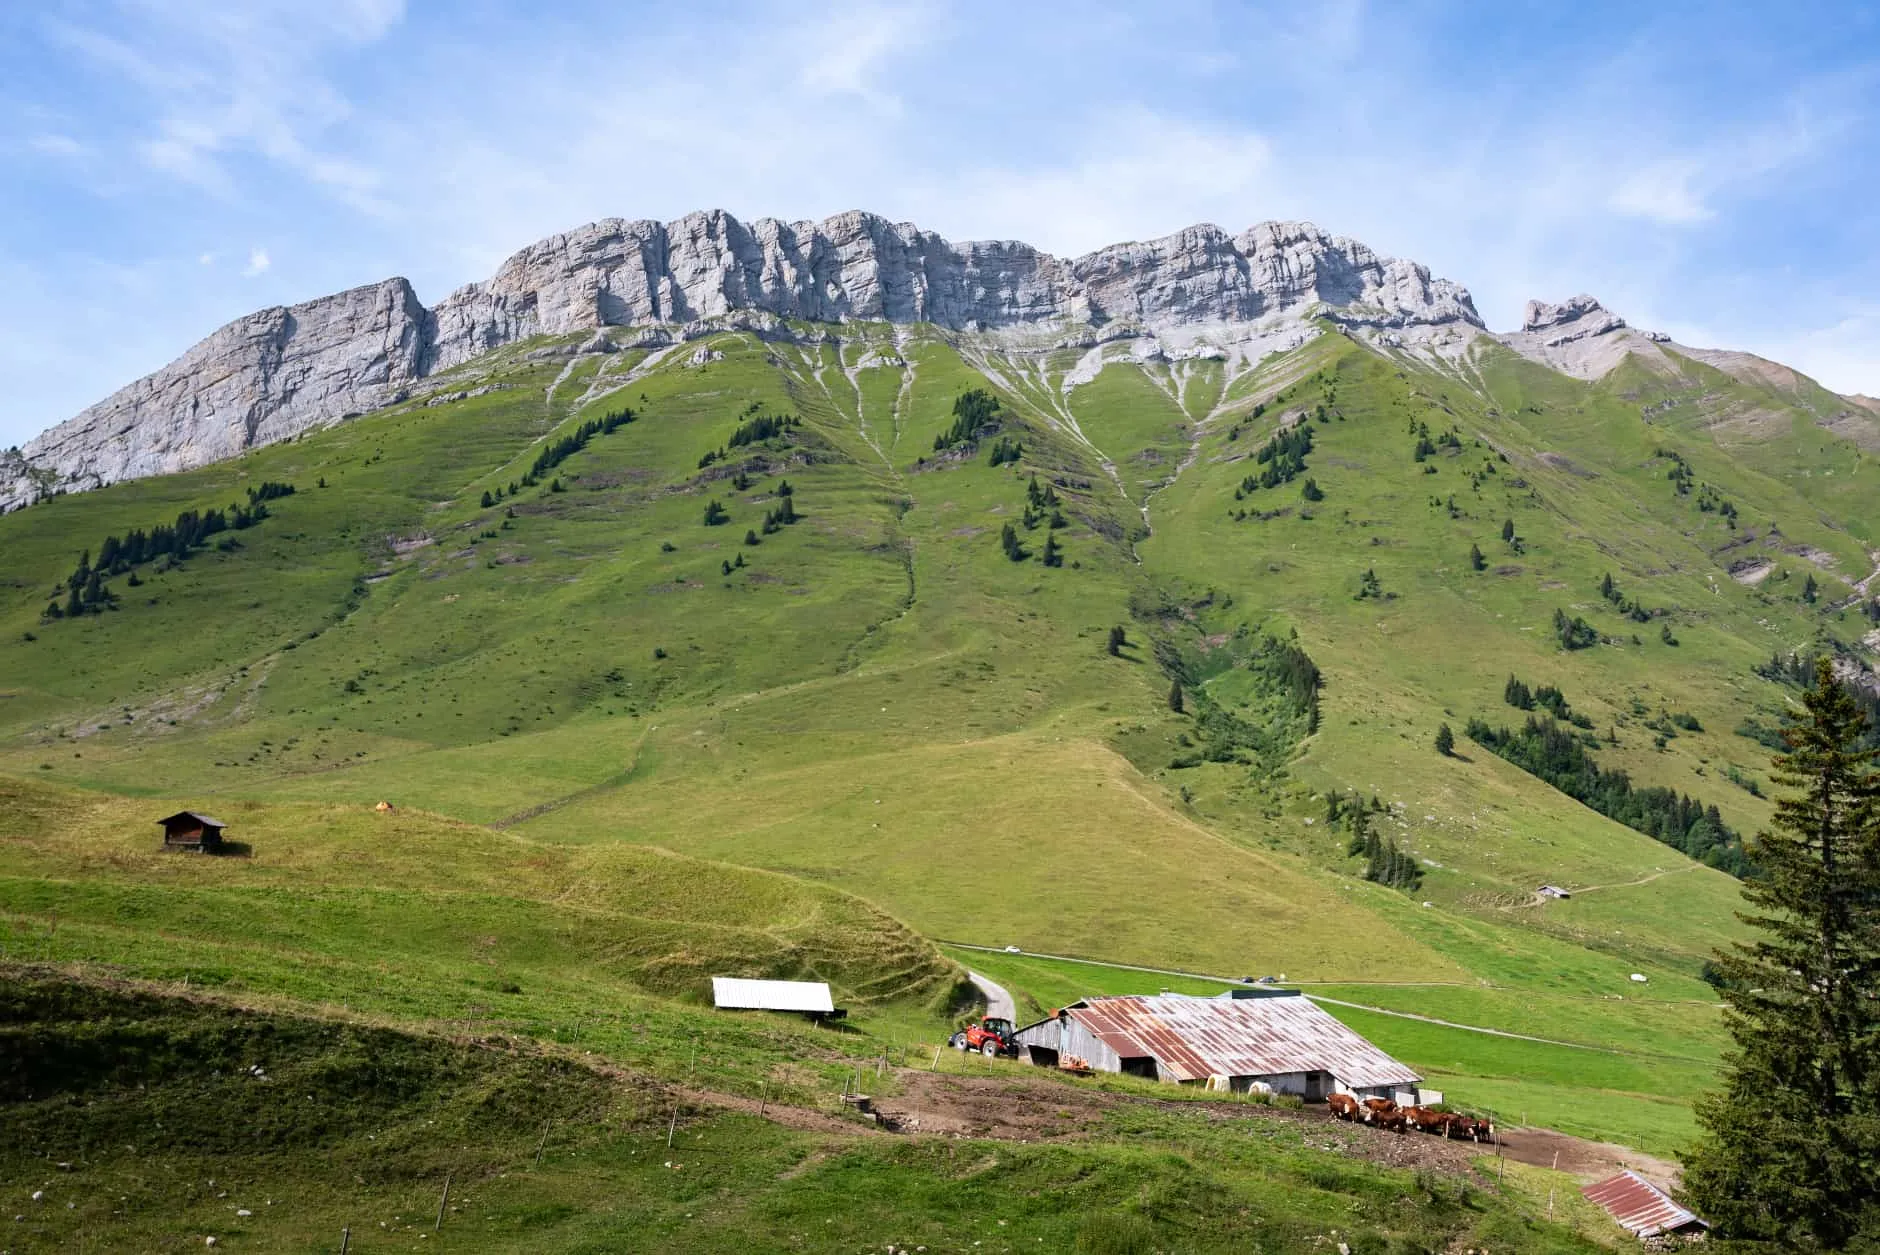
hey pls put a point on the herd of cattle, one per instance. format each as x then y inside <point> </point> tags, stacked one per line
<point>1386,1114</point>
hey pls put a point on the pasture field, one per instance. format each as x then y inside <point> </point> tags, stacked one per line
<point>631,747</point>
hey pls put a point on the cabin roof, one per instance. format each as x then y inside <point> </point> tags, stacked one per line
<point>771,995</point>
<point>195,815</point>
<point>1640,1206</point>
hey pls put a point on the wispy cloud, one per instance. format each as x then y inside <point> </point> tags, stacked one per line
<point>1663,192</point>
<point>258,263</point>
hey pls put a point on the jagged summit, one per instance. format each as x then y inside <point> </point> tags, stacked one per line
<point>281,371</point>
<point>1581,337</point>
<point>1586,311</point>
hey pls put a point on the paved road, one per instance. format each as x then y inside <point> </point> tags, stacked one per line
<point>999,1004</point>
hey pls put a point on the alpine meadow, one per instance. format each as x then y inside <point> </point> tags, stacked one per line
<point>827,602</point>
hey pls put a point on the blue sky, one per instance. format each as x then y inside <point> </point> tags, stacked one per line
<point>166,165</point>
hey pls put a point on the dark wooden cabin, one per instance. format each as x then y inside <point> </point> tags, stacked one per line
<point>186,830</point>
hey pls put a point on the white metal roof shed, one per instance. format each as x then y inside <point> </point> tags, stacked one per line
<point>737,993</point>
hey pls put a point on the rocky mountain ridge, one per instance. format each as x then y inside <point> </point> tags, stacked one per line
<point>277,372</point>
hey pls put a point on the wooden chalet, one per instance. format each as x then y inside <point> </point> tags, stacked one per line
<point>186,830</point>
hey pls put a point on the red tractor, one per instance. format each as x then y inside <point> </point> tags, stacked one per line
<point>991,1037</point>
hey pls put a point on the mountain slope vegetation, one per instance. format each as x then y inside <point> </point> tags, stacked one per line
<point>792,617</point>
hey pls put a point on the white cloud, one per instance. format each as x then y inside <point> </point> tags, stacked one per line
<point>55,145</point>
<point>258,263</point>
<point>1137,177</point>
<point>847,52</point>
<point>206,259</point>
<point>1663,192</point>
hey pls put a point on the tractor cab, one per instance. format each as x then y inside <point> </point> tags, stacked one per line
<point>992,1036</point>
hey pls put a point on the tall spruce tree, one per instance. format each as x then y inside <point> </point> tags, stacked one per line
<point>1791,1152</point>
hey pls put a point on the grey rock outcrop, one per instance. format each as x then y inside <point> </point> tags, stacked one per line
<point>260,379</point>
<point>282,371</point>
<point>1583,338</point>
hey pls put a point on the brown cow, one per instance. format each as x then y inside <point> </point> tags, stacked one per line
<point>1392,1120</point>
<point>1426,1119</point>
<point>1377,1108</point>
<point>1344,1106</point>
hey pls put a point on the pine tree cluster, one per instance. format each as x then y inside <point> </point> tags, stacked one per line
<point>1282,459</point>
<point>1551,753</point>
<point>764,427</point>
<point>1384,862</point>
<point>1574,632</point>
<point>1550,699</point>
<point>1625,605</point>
<point>1007,450</point>
<point>575,441</point>
<point>975,414</point>
<point>84,589</point>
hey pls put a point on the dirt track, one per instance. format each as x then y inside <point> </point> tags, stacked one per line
<point>1022,1108</point>
<point>1578,1157</point>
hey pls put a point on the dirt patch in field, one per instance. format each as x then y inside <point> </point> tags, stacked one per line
<point>1544,1148</point>
<point>1042,1108</point>
<point>1008,1108</point>
<point>1561,462</point>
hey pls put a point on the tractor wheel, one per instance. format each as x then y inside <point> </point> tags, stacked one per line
<point>957,1041</point>
<point>990,1050</point>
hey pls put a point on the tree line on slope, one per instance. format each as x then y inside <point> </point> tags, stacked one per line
<point>171,543</point>
<point>1544,749</point>
<point>575,441</point>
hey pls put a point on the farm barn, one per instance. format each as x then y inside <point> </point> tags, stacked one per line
<point>1277,1039</point>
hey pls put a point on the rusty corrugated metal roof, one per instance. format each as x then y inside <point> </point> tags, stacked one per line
<point>1194,1038</point>
<point>1640,1206</point>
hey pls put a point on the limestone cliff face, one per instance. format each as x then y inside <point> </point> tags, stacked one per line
<point>260,379</point>
<point>279,372</point>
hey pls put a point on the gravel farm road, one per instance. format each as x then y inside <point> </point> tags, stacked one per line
<point>999,1004</point>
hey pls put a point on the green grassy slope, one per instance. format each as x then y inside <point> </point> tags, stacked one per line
<point>145,1122</point>
<point>880,700</point>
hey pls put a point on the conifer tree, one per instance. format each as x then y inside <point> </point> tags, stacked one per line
<point>1445,742</point>
<point>1053,552</point>
<point>1793,1138</point>
<point>1118,639</point>
<point>750,537</point>
<point>487,501</point>
<point>1175,700</point>
<point>1477,560</point>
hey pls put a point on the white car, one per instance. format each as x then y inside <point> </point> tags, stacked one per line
<point>1013,950</point>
